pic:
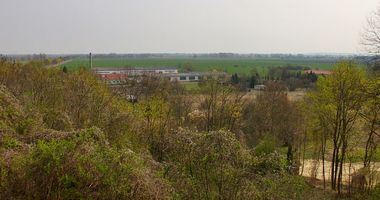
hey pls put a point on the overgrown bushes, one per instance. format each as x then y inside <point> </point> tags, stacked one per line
<point>83,165</point>
<point>68,136</point>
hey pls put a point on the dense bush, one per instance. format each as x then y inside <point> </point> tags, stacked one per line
<point>38,162</point>
<point>83,165</point>
<point>209,165</point>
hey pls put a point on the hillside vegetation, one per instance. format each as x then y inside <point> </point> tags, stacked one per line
<point>67,135</point>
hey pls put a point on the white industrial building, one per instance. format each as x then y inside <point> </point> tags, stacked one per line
<point>135,71</point>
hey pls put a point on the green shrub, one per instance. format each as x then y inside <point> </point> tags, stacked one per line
<point>283,187</point>
<point>273,163</point>
<point>9,142</point>
<point>266,146</point>
<point>82,166</point>
<point>375,193</point>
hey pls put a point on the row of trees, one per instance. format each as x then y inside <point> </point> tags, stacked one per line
<point>344,118</point>
<point>292,76</point>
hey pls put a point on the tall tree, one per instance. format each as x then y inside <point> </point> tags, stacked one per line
<point>371,116</point>
<point>221,106</point>
<point>340,95</point>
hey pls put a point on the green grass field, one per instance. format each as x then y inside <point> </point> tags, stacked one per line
<point>229,65</point>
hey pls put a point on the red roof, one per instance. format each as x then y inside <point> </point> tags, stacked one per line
<point>111,77</point>
<point>318,72</point>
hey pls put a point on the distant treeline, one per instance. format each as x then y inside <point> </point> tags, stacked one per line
<point>329,57</point>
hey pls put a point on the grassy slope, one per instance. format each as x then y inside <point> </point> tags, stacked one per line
<point>244,66</point>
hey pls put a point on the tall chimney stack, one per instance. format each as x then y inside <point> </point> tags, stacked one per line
<point>90,60</point>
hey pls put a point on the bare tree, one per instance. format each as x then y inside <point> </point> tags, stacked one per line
<point>371,33</point>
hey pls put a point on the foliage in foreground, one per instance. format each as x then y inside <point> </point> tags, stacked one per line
<point>68,136</point>
<point>82,165</point>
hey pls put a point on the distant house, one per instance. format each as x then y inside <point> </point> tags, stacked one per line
<point>259,87</point>
<point>113,79</point>
<point>110,77</point>
<point>318,72</point>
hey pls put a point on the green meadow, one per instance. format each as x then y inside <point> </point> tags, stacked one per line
<point>229,65</point>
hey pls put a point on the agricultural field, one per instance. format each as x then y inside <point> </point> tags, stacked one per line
<point>229,65</point>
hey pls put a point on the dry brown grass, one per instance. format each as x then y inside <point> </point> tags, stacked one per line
<point>292,95</point>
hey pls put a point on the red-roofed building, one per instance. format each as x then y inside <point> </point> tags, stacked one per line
<point>110,77</point>
<point>113,78</point>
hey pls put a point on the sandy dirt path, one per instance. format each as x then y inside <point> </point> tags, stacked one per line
<point>314,169</point>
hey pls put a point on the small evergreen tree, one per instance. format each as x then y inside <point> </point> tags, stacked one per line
<point>235,79</point>
<point>64,69</point>
<point>252,81</point>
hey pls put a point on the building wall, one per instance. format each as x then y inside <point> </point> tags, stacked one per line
<point>186,78</point>
<point>166,71</point>
<point>136,72</point>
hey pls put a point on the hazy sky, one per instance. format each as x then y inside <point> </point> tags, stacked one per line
<point>186,26</point>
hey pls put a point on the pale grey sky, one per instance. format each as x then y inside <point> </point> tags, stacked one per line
<point>185,26</point>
